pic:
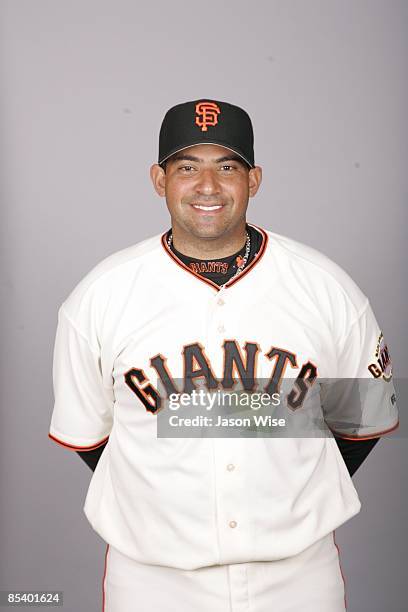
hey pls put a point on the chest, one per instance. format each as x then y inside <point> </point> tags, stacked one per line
<point>170,342</point>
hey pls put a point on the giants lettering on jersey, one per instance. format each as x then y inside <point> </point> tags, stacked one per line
<point>198,366</point>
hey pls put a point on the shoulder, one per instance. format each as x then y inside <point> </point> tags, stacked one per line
<point>316,273</point>
<point>111,276</point>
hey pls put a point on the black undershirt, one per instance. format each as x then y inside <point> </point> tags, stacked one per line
<point>220,271</point>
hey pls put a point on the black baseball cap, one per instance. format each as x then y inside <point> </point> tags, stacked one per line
<point>207,121</point>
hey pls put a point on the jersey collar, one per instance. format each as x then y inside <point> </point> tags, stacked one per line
<point>207,281</point>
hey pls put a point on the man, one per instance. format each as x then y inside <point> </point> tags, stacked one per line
<point>200,522</point>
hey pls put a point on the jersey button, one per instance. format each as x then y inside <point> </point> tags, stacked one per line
<point>233,524</point>
<point>220,302</point>
<point>230,467</point>
<point>221,329</point>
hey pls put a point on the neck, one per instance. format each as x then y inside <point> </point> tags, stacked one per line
<point>209,248</point>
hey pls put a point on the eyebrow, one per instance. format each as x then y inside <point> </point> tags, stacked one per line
<point>219,160</point>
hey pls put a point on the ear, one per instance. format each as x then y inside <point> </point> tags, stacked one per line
<point>254,180</point>
<point>158,177</point>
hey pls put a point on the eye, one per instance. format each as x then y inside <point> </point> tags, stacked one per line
<point>228,167</point>
<point>186,168</point>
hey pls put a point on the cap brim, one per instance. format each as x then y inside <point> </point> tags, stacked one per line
<point>195,144</point>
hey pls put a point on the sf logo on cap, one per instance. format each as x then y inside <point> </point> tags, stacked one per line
<point>207,114</point>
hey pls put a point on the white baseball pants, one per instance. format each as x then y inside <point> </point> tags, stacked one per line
<point>308,582</point>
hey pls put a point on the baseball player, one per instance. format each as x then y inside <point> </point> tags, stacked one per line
<point>226,523</point>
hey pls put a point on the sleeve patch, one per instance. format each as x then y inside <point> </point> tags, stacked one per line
<point>381,365</point>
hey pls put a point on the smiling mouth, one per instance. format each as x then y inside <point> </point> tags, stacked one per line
<point>206,207</point>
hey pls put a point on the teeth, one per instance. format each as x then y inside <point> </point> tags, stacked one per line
<point>206,207</point>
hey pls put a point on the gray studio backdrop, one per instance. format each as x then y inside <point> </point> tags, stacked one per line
<point>84,86</point>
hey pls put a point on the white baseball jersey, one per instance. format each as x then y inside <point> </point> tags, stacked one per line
<point>141,317</point>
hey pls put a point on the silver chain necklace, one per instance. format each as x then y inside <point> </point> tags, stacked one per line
<point>244,259</point>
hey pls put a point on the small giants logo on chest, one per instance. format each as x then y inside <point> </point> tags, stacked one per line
<point>219,267</point>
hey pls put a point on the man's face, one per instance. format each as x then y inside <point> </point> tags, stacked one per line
<point>207,189</point>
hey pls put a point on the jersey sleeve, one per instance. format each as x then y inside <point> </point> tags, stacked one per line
<point>360,403</point>
<point>82,417</point>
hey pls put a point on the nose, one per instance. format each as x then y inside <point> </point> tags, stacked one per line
<point>207,182</point>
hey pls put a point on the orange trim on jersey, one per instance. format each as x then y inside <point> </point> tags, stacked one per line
<point>341,569</point>
<point>369,437</point>
<point>256,259</point>
<point>103,579</point>
<point>78,448</point>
